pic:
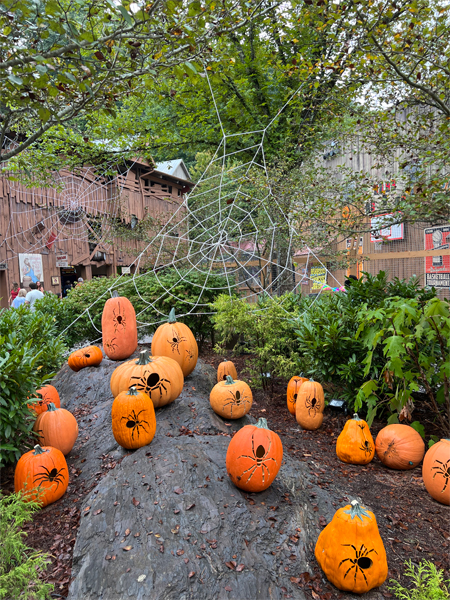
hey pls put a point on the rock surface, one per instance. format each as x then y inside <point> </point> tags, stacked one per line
<point>166,522</point>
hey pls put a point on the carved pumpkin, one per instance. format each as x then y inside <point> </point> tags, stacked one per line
<point>48,393</point>
<point>119,328</point>
<point>355,442</point>
<point>254,457</point>
<point>43,468</point>
<point>158,376</point>
<point>231,399</point>
<point>226,368</point>
<point>293,389</point>
<point>91,356</point>
<point>399,447</point>
<point>57,427</point>
<point>350,550</point>
<point>133,419</point>
<point>310,405</point>
<point>436,471</point>
<point>176,341</point>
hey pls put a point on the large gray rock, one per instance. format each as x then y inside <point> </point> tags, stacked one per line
<point>165,520</point>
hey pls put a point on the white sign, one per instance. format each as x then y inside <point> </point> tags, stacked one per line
<point>30,266</point>
<point>382,229</point>
<point>62,260</point>
<point>126,270</point>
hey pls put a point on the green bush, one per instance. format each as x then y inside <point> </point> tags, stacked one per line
<point>20,566</point>
<point>30,353</point>
<point>428,583</point>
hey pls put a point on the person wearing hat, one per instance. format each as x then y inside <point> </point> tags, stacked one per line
<point>80,281</point>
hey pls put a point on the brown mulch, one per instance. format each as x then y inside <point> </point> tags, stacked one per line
<point>412,525</point>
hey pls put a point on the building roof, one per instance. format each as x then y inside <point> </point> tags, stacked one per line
<point>175,168</point>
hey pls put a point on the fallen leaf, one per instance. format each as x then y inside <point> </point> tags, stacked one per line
<point>240,568</point>
<point>137,534</point>
<point>180,552</point>
<point>178,490</point>
<point>127,532</point>
<point>191,574</point>
<point>190,506</point>
<point>161,549</point>
<point>186,560</point>
<point>142,578</point>
<point>97,512</point>
<point>314,595</point>
<point>87,508</point>
<point>175,512</point>
<point>135,502</point>
<point>228,588</point>
<point>127,548</point>
<point>107,557</point>
<point>231,564</point>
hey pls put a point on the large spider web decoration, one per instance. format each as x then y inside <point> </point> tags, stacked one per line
<point>229,225</point>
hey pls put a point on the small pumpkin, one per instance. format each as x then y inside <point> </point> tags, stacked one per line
<point>310,405</point>
<point>254,457</point>
<point>436,471</point>
<point>48,393</point>
<point>355,442</point>
<point>226,368</point>
<point>293,388</point>
<point>119,328</point>
<point>90,356</point>
<point>133,419</point>
<point>45,469</point>
<point>399,447</point>
<point>57,427</point>
<point>350,550</point>
<point>176,341</point>
<point>160,377</point>
<point>231,399</point>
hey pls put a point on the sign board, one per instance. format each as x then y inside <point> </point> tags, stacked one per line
<point>437,268</point>
<point>318,277</point>
<point>382,229</point>
<point>68,271</point>
<point>126,270</point>
<point>30,267</point>
<point>3,266</point>
<point>62,260</point>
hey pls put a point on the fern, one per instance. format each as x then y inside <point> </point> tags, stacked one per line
<point>428,583</point>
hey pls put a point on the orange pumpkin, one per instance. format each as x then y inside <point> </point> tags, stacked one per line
<point>226,368</point>
<point>158,376</point>
<point>436,471</point>
<point>254,457</point>
<point>42,475</point>
<point>310,405</point>
<point>176,341</point>
<point>119,328</point>
<point>293,388</point>
<point>48,393</point>
<point>350,550</point>
<point>231,399</point>
<point>90,356</point>
<point>399,447</point>
<point>133,419</point>
<point>57,427</point>
<point>355,442</point>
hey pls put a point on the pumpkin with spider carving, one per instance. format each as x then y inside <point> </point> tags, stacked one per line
<point>48,393</point>
<point>254,457</point>
<point>90,356</point>
<point>133,419</point>
<point>292,391</point>
<point>350,550</point>
<point>119,328</point>
<point>42,475</point>
<point>355,442</point>
<point>176,340</point>
<point>310,405</point>
<point>158,376</point>
<point>231,399</point>
<point>436,471</point>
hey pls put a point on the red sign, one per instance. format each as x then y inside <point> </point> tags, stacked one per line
<point>437,268</point>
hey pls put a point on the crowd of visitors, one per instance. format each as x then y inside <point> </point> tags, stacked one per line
<point>19,296</point>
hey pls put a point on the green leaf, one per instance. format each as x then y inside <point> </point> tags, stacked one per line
<point>15,79</point>
<point>126,15</point>
<point>393,419</point>
<point>418,427</point>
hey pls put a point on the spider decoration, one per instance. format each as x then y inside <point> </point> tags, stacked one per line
<point>293,398</point>
<point>134,423</point>
<point>260,458</point>
<point>119,320</point>
<point>53,476</point>
<point>444,470</point>
<point>190,355</point>
<point>176,341</point>
<point>111,345</point>
<point>361,562</point>
<point>237,400</point>
<point>366,446</point>
<point>150,383</point>
<point>313,405</point>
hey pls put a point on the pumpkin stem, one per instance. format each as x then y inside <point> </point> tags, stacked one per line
<point>229,380</point>
<point>355,416</point>
<point>39,450</point>
<point>144,358</point>
<point>356,510</point>
<point>51,407</point>
<point>115,294</point>
<point>172,318</point>
<point>262,423</point>
<point>132,391</point>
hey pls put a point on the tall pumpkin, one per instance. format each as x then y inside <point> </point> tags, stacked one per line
<point>48,393</point>
<point>350,550</point>
<point>399,447</point>
<point>310,405</point>
<point>176,341</point>
<point>355,442</point>
<point>254,457</point>
<point>231,399</point>
<point>436,471</point>
<point>119,328</point>
<point>43,468</point>
<point>158,376</point>
<point>226,368</point>
<point>90,356</point>
<point>293,388</point>
<point>133,419</point>
<point>57,427</point>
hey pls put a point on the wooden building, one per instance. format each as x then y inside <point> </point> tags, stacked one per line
<point>58,234</point>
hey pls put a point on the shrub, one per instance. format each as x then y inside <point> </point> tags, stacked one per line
<point>428,583</point>
<point>20,566</point>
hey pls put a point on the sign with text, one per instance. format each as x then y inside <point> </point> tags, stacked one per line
<point>62,260</point>
<point>318,277</point>
<point>3,266</point>
<point>126,270</point>
<point>383,228</point>
<point>437,268</point>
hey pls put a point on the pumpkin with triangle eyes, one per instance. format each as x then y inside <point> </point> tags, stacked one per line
<point>350,550</point>
<point>355,443</point>
<point>48,393</point>
<point>293,388</point>
<point>90,356</point>
<point>310,405</point>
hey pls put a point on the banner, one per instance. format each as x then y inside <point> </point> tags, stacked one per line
<point>318,277</point>
<point>30,266</point>
<point>437,268</point>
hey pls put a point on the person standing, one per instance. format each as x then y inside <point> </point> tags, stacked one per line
<point>14,292</point>
<point>40,287</point>
<point>33,295</point>
<point>20,299</point>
